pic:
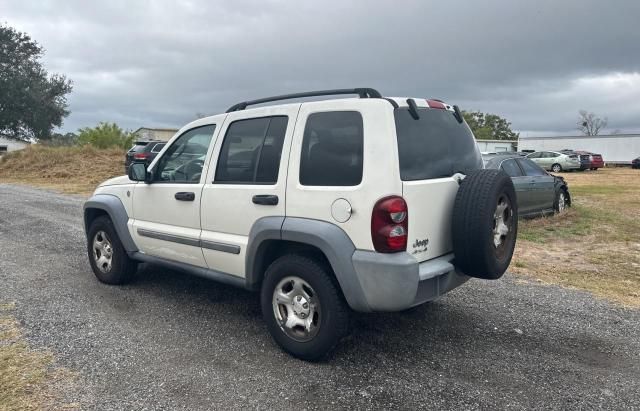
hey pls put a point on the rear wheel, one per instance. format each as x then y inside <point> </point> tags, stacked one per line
<point>556,168</point>
<point>303,308</point>
<point>107,256</point>
<point>485,224</point>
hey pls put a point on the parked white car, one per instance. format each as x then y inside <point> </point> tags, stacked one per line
<point>555,161</point>
<point>365,204</point>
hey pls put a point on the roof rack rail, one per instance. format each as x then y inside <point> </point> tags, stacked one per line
<point>361,92</point>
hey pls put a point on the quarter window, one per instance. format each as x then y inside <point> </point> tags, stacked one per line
<point>251,151</point>
<point>184,160</point>
<point>157,148</point>
<point>530,168</point>
<point>332,149</point>
<point>511,168</point>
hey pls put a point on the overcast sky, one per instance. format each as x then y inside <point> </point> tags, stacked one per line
<point>156,63</point>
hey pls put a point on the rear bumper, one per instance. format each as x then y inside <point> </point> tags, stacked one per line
<point>394,282</point>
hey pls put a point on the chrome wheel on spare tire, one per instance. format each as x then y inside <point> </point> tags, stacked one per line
<point>502,225</point>
<point>485,224</point>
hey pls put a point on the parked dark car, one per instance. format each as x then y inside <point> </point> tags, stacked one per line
<point>635,163</point>
<point>596,159</point>
<point>585,158</point>
<point>537,191</point>
<point>143,150</point>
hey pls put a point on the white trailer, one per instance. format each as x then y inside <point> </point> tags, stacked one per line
<point>497,146</point>
<point>615,149</point>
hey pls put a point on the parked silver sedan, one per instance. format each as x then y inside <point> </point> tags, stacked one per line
<point>555,161</point>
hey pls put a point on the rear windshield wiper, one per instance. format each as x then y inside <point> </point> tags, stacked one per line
<point>413,109</point>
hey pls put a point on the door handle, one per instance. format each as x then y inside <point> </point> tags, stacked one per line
<point>265,199</point>
<point>185,196</point>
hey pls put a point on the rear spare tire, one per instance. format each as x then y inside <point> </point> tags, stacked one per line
<point>485,224</point>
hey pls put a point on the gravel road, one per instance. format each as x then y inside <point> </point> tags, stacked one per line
<point>171,341</point>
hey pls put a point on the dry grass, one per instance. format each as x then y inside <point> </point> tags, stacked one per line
<point>29,379</point>
<point>594,246</point>
<point>74,170</point>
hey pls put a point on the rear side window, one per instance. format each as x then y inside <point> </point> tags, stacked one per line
<point>332,149</point>
<point>511,168</point>
<point>157,148</point>
<point>435,145</point>
<point>530,168</point>
<point>251,151</point>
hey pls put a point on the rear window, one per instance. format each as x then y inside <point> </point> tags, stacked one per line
<point>138,147</point>
<point>435,145</point>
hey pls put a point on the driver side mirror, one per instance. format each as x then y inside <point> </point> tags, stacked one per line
<point>138,172</point>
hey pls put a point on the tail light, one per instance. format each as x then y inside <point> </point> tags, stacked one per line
<point>140,156</point>
<point>390,225</point>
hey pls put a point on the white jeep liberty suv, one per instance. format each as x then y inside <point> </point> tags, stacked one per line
<point>365,204</point>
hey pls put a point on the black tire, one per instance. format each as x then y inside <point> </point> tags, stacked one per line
<point>556,201</point>
<point>122,267</point>
<point>333,316</point>
<point>474,224</point>
<point>556,168</point>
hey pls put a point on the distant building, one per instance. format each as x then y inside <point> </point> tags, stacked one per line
<point>8,145</point>
<point>497,146</point>
<point>615,149</point>
<point>163,134</point>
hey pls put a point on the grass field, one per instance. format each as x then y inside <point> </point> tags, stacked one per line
<point>595,245</point>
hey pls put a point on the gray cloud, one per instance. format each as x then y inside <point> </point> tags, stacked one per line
<point>159,63</point>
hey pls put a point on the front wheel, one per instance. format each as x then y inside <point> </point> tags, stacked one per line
<point>556,168</point>
<point>562,201</point>
<point>303,308</point>
<point>107,256</point>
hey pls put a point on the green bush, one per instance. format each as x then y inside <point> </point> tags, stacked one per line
<point>105,135</point>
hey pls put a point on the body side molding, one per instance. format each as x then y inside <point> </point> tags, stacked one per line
<point>192,269</point>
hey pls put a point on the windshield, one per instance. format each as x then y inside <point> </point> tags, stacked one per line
<point>435,145</point>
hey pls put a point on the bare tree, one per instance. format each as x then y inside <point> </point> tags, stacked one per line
<point>590,124</point>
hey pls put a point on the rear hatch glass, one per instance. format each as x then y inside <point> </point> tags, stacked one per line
<point>435,145</point>
<point>431,150</point>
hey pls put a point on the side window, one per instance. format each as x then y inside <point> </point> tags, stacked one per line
<point>251,151</point>
<point>157,148</point>
<point>183,161</point>
<point>530,168</point>
<point>535,155</point>
<point>332,149</point>
<point>511,168</point>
